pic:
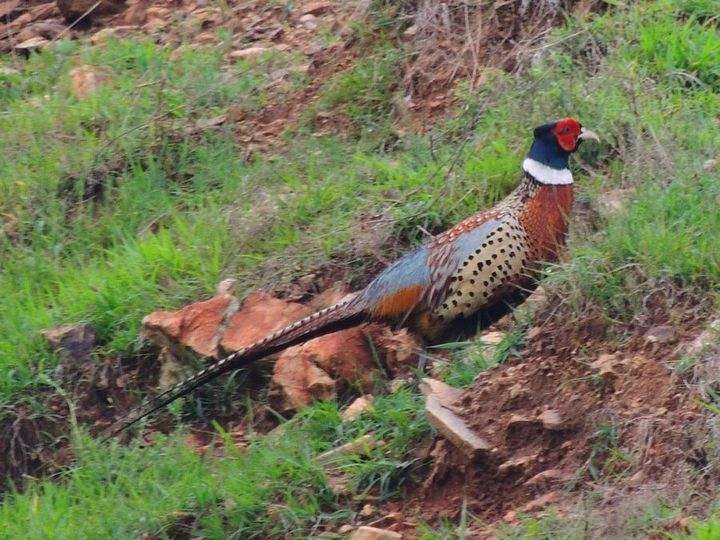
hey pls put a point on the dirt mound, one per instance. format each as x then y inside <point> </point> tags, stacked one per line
<point>572,412</point>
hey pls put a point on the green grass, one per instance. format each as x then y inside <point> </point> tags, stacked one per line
<point>180,209</point>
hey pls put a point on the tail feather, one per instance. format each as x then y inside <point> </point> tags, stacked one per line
<point>342,315</point>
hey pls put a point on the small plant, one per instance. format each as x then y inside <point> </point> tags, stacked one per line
<point>606,458</point>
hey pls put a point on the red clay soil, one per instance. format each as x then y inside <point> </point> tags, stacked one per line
<point>556,416</point>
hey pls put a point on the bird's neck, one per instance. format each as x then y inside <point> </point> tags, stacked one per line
<point>545,201</point>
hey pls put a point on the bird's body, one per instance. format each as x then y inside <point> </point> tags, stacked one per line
<point>452,278</point>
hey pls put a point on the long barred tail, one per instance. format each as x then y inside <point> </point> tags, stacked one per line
<point>342,315</point>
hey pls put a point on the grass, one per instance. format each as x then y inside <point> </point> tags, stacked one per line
<point>115,205</point>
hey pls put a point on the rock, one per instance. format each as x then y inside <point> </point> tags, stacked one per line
<point>445,394</point>
<point>454,428</point>
<point>309,21</point>
<point>346,529</point>
<point>193,327</point>
<point>400,349</point>
<point>710,164</point>
<point>317,8</point>
<point>32,44</point>
<point>373,533</point>
<point>136,14</point>
<point>226,286</point>
<point>707,338</point>
<point>103,35</point>
<point>367,510</point>
<point>519,420</point>
<point>547,477</point>
<point>341,356</point>
<point>247,54</point>
<point>298,382</point>
<point>74,342</point>
<point>396,384</point>
<point>8,7</point>
<point>660,334</point>
<point>203,124</point>
<point>607,366</point>
<point>261,314</point>
<point>541,502</point>
<point>73,9</point>
<point>613,202</point>
<point>361,445</point>
<point>411,31</point>
<point>171,370</point>
<point>363,403</point>
<point>517,464</point>
<point>492,338</point>
<point>85,81</point>
<point>553,421</point>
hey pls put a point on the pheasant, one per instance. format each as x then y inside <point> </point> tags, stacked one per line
<point>451,279</point>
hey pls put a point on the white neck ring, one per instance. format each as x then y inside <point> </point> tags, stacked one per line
<point>547,175</point>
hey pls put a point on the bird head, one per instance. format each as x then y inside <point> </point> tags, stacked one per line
<point>553,144</point>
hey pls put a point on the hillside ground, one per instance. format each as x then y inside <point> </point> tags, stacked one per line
<point>180,165</point>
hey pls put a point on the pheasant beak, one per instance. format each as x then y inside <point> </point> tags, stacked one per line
<point>586,134</point>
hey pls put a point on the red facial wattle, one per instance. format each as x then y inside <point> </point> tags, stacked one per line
<point>567,131</point>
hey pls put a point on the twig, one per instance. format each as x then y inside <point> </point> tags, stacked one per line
<point>76,21</point>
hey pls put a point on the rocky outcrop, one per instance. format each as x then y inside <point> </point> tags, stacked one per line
<point>74,342</point>
<point>355,358</point>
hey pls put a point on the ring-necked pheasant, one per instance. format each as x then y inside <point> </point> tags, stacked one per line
<point>457,275</point>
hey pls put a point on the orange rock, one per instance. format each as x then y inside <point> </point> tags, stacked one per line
<point>260,315</point>
<point>301,373</point>
<point>195,326</point>
<point>85,81</point>
<point>541,502</point>
<point>296,383</point>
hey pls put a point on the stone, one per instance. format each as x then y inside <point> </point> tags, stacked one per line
<point>710,164</point>
<point>309,21</point>
<point>171,370</point>
<point>341,356</point>
<point>446,394</point>
<point>608,367</point>
<point>613,202</point>
<point>136,14</point>
<point>552,420</point>
<point>247,54</point>
<point>660,334</point>
<point>103,35</point>
<point>547,477</point>
<point>346,529</point>
<point>297,383</point>
<point>707,338</point>
<point>541,502</point>
<point>7,7</point>
<point>492,338</point>
<point>355,409</point>
<point>519,420</point>
<point>517,464</point>
<point>73,9</point>
<point>401,350</point>
<point>226,286</point>
<point>361,445</point>
<point>367,510</point>
<point>74,342</point>
<point>85,81</point>
<point>193,327</point>
<point>411,31</point>
<point>454,429</point>
<point>374,533</point>
<point>32,44</point>
<point>318,8</point>
<point>261,314</point>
